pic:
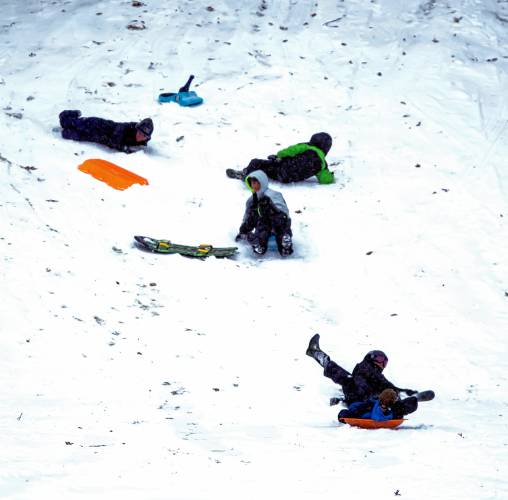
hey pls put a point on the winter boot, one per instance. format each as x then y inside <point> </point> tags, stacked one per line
<point>313,345</point>
<point>259,249</point>
<point>425,396</point>
<point>315,352</point>
<point>235,174</point>
<point>336,401</point>
<point>286,245</point>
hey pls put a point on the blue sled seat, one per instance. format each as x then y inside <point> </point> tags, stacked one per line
<point>272,243</point>
<point>182,98</point>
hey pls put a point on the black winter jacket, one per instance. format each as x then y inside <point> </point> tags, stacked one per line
<point>116,135</point>
<point>294,168</point>
<point>367,381</point>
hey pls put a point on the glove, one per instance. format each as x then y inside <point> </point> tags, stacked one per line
<point>409,392</point>
<point>266,205</point>
<point>250,237</point>
<point>244,231</point>
<point>132,149</point>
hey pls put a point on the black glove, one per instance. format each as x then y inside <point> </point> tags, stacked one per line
<point>244,230</point>
<point>245,236</point>
<point>132,149</point>
<point>267,207</point>
<point>265,204</point>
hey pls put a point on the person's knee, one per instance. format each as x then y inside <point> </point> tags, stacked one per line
<point>405,407</point>
<point>410,404</point>
<point>253,165</point>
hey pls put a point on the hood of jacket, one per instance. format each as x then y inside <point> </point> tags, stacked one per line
<point>262,179</point>
<point>321,140</point>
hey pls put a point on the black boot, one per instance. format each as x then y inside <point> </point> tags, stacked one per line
<point>314,351</point>
<point>235,174</point>
<point>286,247</point>
<point>425,396</point>
<point>313,345</point>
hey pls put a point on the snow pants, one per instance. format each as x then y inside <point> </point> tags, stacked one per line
<point>273,169</point>
<point>278,224</point>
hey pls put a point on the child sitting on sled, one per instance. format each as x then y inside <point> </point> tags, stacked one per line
<point>366,384</point>
<point>384,408</point>
<point>266,213</point>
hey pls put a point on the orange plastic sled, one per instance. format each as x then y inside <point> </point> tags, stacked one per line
<point>113,175</point>
<point>367,423</point>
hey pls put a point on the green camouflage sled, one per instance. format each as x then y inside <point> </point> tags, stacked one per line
<point>199,251</point>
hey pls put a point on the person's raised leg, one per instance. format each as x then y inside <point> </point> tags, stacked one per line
<point>331,369</point>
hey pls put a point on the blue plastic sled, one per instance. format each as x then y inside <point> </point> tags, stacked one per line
<point>182,98</point>
<point>272,243</point>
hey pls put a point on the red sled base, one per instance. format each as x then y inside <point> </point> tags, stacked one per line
<point>367,423</point>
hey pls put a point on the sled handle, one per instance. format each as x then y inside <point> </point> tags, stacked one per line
<point>186,87</point>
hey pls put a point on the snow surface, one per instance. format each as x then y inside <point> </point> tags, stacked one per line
<point>136,376</point>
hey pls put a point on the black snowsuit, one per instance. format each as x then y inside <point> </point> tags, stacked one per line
<point>294,168</point>
<point>266,212</point>
<point>366,382</point>
<point>119,136</point>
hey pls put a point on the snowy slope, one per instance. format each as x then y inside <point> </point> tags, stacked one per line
<point>136,376</point>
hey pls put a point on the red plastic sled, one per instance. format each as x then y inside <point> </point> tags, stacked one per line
<point>113,175</point>
<point>367,423</point>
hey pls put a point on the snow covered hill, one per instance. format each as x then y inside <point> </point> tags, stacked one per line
<point>136,376</point>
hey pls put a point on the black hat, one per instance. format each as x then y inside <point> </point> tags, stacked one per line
<point>145,126</point>
<point>321,140</point>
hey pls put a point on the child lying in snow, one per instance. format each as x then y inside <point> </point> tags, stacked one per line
<point>125,137</point>
<point>295,163</point>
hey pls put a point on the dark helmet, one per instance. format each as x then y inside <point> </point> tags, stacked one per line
<point>379,358</point>
<point>321,140</point>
